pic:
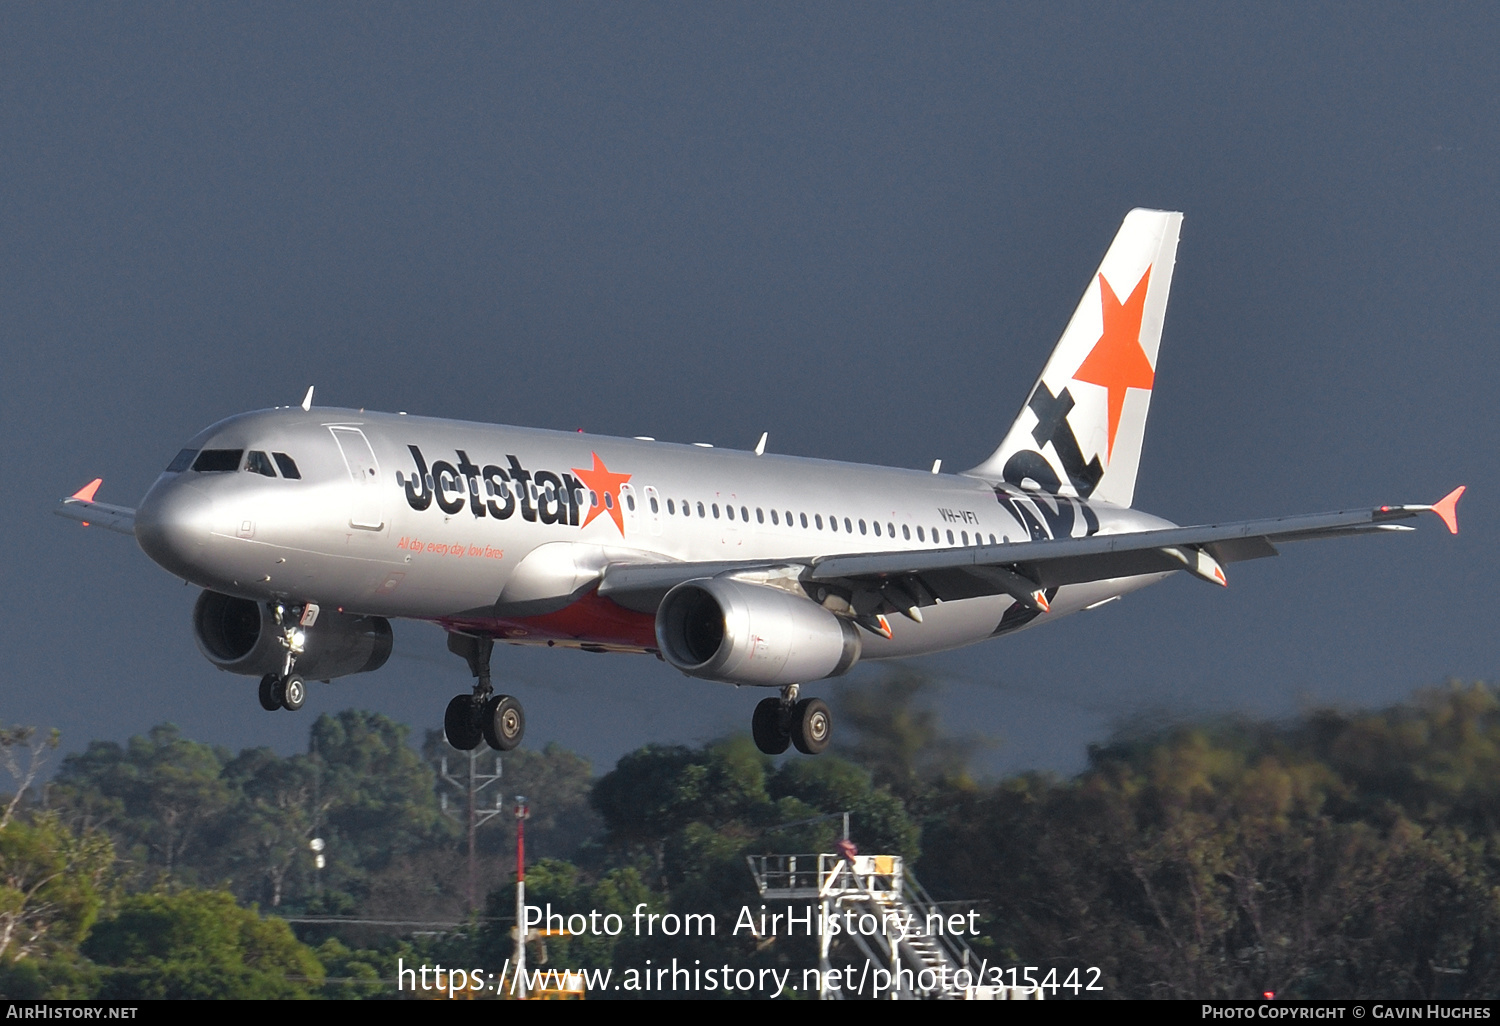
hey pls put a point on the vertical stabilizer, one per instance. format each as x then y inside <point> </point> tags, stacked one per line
<point>1081,430</point>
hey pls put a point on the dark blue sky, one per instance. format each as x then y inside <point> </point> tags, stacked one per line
<point>858,227</point>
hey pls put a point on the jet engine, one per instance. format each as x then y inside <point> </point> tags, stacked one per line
<point>742,633</point>
<point>241,636</point>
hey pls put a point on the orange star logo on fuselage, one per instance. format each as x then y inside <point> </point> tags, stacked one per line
<point>599,481</point>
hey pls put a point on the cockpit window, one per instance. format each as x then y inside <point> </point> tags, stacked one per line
<point>259,463</point>
<point>213,461</point>
<point>288,466</point>
<point>183,460</point>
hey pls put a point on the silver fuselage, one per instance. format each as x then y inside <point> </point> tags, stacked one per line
<point>348,535</point>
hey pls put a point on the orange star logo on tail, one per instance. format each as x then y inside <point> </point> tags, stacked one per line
<point>1117,362</point>
<point>606,486</point>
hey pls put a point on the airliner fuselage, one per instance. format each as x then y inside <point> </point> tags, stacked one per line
<point>413,517</point>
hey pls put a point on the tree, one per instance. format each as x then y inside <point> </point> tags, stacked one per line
<point>281,803</point>
<point>199,945</point>
<point>52,884</point>
<point>166,793</point>
<point>897,735</point>
<point>383,801</point>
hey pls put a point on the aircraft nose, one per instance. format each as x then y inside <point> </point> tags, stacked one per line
<point>172,526</point>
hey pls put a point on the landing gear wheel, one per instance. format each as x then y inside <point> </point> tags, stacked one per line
<point>765,727</point>
<point>293,693</point>
<point>461,723</point>
<point>270,692</point>
<point>503,723</point>
<point>812,726</point>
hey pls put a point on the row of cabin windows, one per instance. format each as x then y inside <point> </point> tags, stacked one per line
<point>227,461</point>
<point>777,518</point>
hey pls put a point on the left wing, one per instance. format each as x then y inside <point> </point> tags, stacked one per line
<point>81,506</point>
<point>904,581</point>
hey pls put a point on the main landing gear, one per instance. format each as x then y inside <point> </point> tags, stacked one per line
<point>497,720</point>
<point>778,722</point>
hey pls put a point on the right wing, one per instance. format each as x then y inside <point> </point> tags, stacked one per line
<point>906,580</point>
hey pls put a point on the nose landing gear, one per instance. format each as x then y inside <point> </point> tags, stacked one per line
<point>287,690</point>
<point>497,720</point>
<point>779,722</point>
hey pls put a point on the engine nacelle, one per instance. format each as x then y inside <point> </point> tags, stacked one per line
<point>741,633</point>
<point>241,636</point>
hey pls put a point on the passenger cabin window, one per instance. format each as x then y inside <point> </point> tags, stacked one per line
<point>906,532</point>
<point>258,462</point>
<point>288,466</point>
<point>218,461</point>
<point>716,510</point>
<point>701,513</point>
<point>773,516</point>
<point>848,526</point>
<point>182,461</point>
<point>921,537</point>
<point>861,527</point>
<point>819,518</point>
<point>729,512</point>
<point>630,501</point>
<point>745,514</point>
<point>802,517</point>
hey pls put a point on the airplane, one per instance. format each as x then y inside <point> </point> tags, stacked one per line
<point>309,529</point>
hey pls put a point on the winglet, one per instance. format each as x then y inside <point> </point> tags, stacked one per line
<point>307,399</point>
<point>1447,508</point>
<point>86,493</point>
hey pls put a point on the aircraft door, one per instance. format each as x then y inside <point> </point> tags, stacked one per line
<point>365,510</point>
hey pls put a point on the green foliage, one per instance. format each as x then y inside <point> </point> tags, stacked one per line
<point>555,781</point>
<point>198,945</point>
<point>159,795</point>
<point>386,800</point>
<point>1340,856</point>
<point>889,728</point>
<point>352,974</point>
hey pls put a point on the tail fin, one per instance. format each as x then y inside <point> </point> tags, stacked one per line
<point>1080,432</point>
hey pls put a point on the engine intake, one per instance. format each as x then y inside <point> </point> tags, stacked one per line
<point>241,636</point>
<point>741,633</point>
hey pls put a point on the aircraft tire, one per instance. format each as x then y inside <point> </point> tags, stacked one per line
<point>461,724</point>
<point>503,722</point>
<point>812,726</point>
<point>293,693</point>
<point>766,729</point>
<point>269,694</point>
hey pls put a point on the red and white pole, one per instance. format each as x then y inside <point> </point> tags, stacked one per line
<point>521,813</point>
